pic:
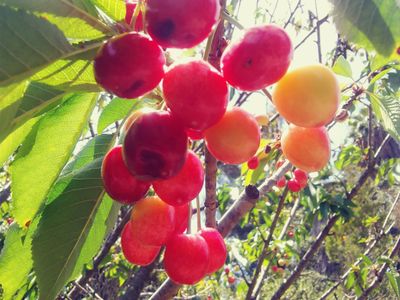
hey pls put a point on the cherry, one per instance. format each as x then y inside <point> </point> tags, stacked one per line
<point>196,94</point>
<point>181,23</point>
<point>274,268</point>
<point>184,186</point>
<point>306,148</point>
<point>231,279</point>
<point>129,65</point>
<point>181,218</point>
<point>253,163</point>
<point>217,249</point>
<point>118,182</point>
<point>186,258</point>
<point>130,9</point>
<point>290,234</point>
<point>293,186</point>
<point>301,177</point>
<point>258,59</point>
<point>134,251</point>
<point>132,118</point>
<point>235,138</point>
<point>227,270</point>
<point>281,182</point>
<point>282,262</point>
<point>153,221</point>
<point>308,96</point>
<point>155,146</point>
<point>194,135</point>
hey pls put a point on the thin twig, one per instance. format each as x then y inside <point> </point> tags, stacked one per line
<point>319,23</point>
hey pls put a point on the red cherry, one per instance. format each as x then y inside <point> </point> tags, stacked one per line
<point>9,221</point>
<point>194,135</point>
<point>196,94</point>
<point>281,182</point>
<point>260,58</point>
<point>155,146</point>
<point>185,186</point>
<point>275,269</point>
<point>227,270</point>
<point>253,163</point>
<point>293,186</point>
<point>216,247</point>
<point>181,218</point>
<point>301,177</point>
<point>231,279</point>
<point>186,258</point>
<point>153,221</point>
<point>181,23</point>
<point>118,182</point>
<point>129,65</point>
<point>290,233</point>
<point>130,9</point>
<point>134,251</point>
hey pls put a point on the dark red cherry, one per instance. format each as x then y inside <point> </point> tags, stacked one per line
<point>196,94</point>
<point>183,187</point>
<point>118,182</point>
<point>186,258</point>
<point>129,65</point>
<point>301,177</point>
<point>293,186</point>
<point>258,59</point>
<point>134,251</point>
<point>216,247</point>
<point>181,23</point>
<point>155,146</point>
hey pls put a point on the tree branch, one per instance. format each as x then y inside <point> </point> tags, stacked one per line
<point>381,272</point>
<point>265,250</point>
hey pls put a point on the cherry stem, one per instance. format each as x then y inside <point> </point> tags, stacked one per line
<point>189,223</point>
<point>135,15</point>
<point>198,214</point>
<point>232,20</point>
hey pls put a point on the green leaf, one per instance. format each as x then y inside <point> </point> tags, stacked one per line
<point>11,142</point>
<point>45,152</point>
<point>394,282</point>
<point>24,101</point>
<point>342,67</point>
<point>15,259</point>
<point>113,8</point>
<point>69,75</point>
<point>77,19</point>
<point>350,155</point>
<point>72,228</point>
<point>387,110</point>
<point>116,110</point>
<point>371,24</point>
<point>95,148</point>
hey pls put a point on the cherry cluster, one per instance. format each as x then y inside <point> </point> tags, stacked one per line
<point>154,151</point>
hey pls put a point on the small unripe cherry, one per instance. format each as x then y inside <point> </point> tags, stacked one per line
<point>118,182</point>
<point>253,163</point>
<point>282,262</point>
<point>281,182</point>
<point>301,177</point>
<point>293,186</point>
<point>153,221</point>
<point>134,250</point>
<point>216,247</point>
<point>186,258</point>
<point>185,186</point>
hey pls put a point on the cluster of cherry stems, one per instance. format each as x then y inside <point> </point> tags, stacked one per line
<point>154,150</point>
